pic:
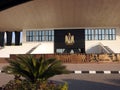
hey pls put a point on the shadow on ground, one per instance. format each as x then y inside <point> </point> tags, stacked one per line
<point>89,85</point>
<point>115,81</point>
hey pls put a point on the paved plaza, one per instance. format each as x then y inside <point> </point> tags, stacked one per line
<point>84,81</point>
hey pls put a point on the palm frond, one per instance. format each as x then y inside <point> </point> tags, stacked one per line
<point>34,69</point>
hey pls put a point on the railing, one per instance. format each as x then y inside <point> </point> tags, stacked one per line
<point>30,51</point>
<point>107,51</point>
<point>110,51</point>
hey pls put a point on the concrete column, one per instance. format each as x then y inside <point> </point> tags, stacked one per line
<point>9,38</point>
<point>1,39</point>
<point>24,36</point>
<point>17,37</point>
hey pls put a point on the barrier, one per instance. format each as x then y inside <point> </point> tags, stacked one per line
<point>78,58</point>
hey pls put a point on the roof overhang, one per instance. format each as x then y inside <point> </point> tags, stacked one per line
<point>38,14</point>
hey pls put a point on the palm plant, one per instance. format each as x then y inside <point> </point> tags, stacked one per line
<point>35,69</point>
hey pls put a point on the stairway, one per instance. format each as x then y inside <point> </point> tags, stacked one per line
<point>106,48</point>
<point>110,51</point>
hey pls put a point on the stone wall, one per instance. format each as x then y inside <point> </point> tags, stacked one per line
<point>78,58</point>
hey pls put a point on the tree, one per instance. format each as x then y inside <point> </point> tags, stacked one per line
<point>35,69</point>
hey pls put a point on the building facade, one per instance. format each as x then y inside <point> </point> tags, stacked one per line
<point>51,41</point>
<point>92,40</point>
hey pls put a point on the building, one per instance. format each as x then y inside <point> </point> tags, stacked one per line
<point>59,26</point>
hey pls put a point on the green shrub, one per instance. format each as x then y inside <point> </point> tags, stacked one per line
<point>35,72</point>
<point>64,87</point>
<point>26,85</point>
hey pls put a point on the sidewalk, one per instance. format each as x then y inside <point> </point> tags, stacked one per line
<point>112,66</point>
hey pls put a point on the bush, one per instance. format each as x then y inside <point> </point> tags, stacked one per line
<point>26,85</point>
<point>35,72</point>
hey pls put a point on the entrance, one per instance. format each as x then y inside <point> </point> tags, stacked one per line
<point>69,41</point>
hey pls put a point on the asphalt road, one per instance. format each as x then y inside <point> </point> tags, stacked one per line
<point>90,81</point>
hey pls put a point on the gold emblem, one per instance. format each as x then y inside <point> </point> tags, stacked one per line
<point>69,39</point>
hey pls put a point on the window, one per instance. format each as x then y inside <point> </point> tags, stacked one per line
<point>100,34</point>
<point>40,35</point>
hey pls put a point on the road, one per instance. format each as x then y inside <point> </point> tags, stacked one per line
<point>83,81</point>
<point>90,81</point>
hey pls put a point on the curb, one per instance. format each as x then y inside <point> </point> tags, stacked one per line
<point>88,72</point>
<point>96,72</point>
